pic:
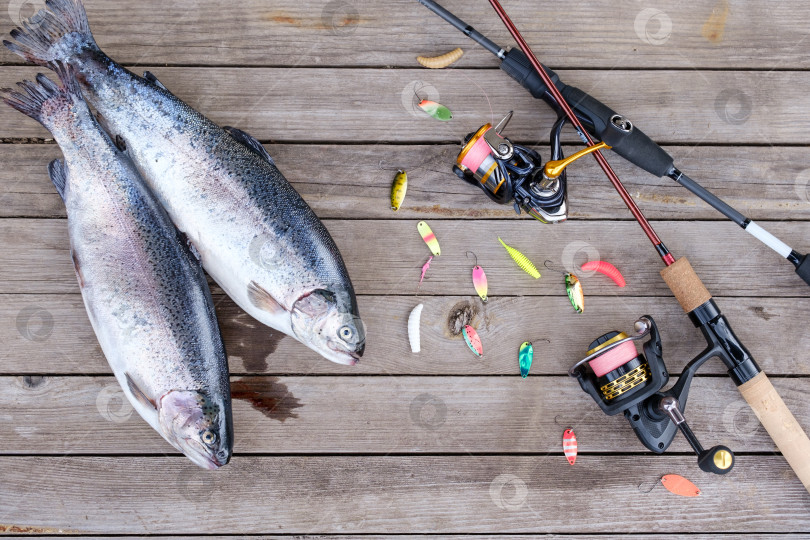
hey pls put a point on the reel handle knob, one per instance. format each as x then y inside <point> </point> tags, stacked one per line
<point>717,460</point>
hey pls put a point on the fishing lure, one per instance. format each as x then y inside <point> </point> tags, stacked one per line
<point>479,279</point>
<point>425,269</point>
<point>522,261</point>
<point>575,293</point>
<point>436,110</point>
<point>414,320</point>
<point>606,268</point>
<point>679,485</point>
<point>525,358</point>
<point>473,341</point>
<point>429,238</point>
<point>573,287</point>
<point>676,484</point>
<point>398,189</point>
<point>570,445</point>
<point>442,61</point>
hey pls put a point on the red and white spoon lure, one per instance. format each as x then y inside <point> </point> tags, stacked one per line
<point>479,279</point>
<point>570,445</point>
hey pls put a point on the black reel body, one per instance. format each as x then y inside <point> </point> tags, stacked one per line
<point>620,379</point>
<point>509,173</point>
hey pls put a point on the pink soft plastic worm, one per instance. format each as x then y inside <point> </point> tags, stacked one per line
<point>606,268</point>
<point>425,269</point>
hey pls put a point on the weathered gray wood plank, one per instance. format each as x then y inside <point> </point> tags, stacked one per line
<point>357,33</point>
<point>51,334</point>
<point>770,183</point>
<point>378,105</point>
<point>385,256</point>
<point>377,415</point>
<point>397,494</point>
<point>449,537</point>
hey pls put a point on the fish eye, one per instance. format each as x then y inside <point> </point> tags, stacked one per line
<point>345,333</point>
<point>209,437</point>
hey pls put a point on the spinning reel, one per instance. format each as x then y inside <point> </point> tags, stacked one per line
<point>512,174</point>
<point>620,379</point>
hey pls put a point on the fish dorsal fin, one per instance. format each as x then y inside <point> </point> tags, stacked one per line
<point>149,76</point>
<point>58,173</point>
<point>250,142</point>
<point>262,299</point>
<point>138,393</point>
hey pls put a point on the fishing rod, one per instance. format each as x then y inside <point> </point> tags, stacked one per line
<point>617,378</point>
<point>624,138</point>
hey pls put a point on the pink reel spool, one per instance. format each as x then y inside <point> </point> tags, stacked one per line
<point>613,358</point>
<point>476,158</point>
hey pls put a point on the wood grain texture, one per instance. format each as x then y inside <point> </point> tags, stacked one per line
<point>392,33</point>
<point>345,181</point>
<point>444,494</point>
<point>378,415</point>
<point>384,256</point>
<point>378,105</point>
<point>50,334</point>
<point>552,536</point>
<point>441,442</point>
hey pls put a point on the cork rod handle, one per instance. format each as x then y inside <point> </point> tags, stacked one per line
<point>780,424</point>
<point>760,394</point>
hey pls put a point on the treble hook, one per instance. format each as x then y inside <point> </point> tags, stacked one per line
<point>474,255</point>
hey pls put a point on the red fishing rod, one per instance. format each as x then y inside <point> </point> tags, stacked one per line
<point>640,398</point>
<point>605,124</point>
<point>666,256</point>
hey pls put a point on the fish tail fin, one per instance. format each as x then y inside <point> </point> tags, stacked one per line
<point>43,98</point>
<point>58,32</point>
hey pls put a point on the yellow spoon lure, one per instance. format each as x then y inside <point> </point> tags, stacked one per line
<point>398,189</point>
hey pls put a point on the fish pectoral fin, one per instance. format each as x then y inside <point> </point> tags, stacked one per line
<point>149,76</point>
<point>262,299</point>
<point>77,268</point>
<point>138,393</point>
<point>184,239</point>
<point>120,143</point>
<point>57,170</point>
<point>250,142</point>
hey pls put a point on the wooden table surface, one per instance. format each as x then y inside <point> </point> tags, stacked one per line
<point>439,442</point>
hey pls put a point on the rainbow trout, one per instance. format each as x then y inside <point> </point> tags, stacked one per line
<point>256,236</point>
<point>145,293</point>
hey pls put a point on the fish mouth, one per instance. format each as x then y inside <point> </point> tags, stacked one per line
<point>204,459</point>
<point>342,356</point>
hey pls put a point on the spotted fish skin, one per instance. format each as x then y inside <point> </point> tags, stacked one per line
<point>146,295</point>
<point>256,236</point>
